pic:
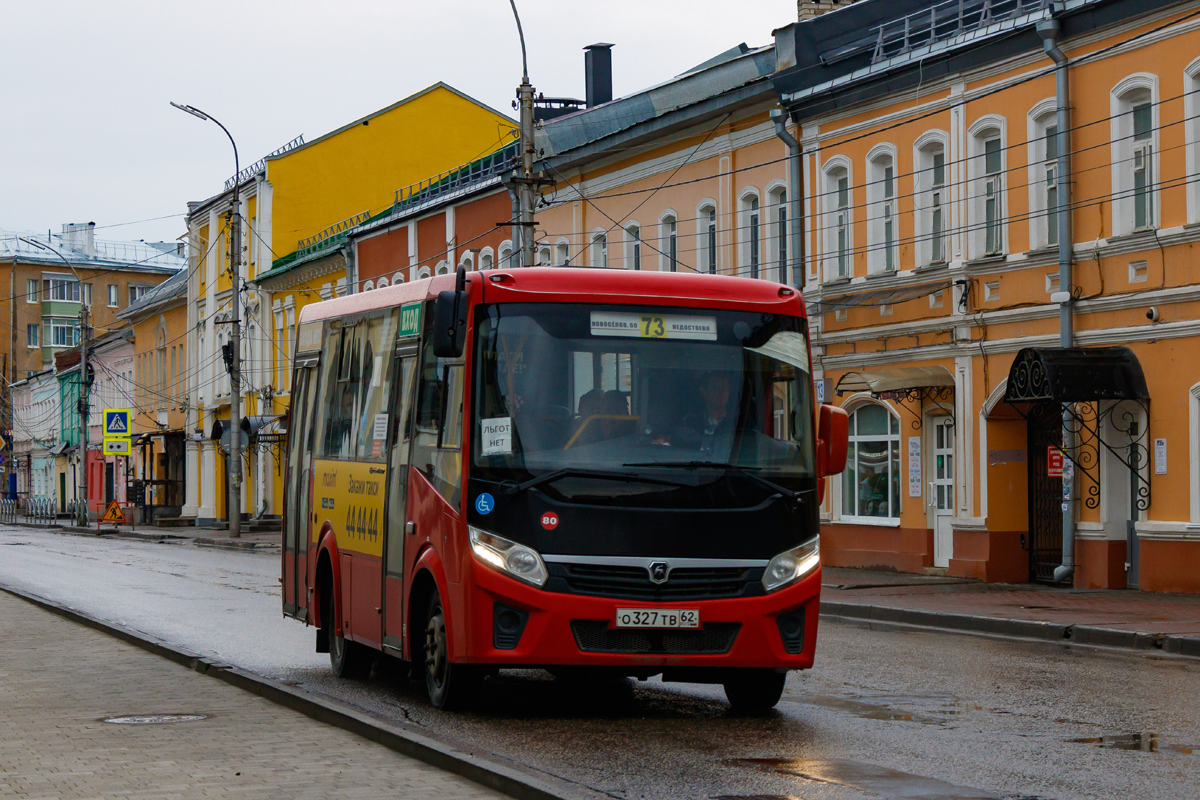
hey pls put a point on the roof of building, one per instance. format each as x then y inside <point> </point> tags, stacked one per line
<point>173,288</point>
<point>139,255</point>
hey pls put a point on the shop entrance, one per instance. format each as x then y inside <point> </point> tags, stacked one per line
<point>1044,425</point>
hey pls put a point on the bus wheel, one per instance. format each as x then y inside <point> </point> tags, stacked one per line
<point>754,690</point>
<point>449,685</point>
<point>348,659</point>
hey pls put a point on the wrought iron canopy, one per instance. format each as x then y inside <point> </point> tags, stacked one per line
<point>1075,375</point>
<point>900,379</point>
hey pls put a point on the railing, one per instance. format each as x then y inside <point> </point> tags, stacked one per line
<point>331,235</point>
<point>261,164</point>
<point>450,181</point>
<point>945,21</point>
<point>34,510</point>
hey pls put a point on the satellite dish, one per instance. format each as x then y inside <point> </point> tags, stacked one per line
<point>227,439</point>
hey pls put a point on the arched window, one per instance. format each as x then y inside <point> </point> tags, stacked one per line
<point>423,272</point>
<point>749,234</point>
<point>987,175</point>
<point>838,219</point>
<point>598,255</point>
<point>668,242</point>
<point>777,232</point>
<point>1135,154</point>
<point>443,268</point>
<point>1191,136</point>
<point>544,259</point>
<point>367,286</point>
<point>382,283</point>
<point>562,252</point>
<point>706,238</point>
<point>486,259</point>
<point>633,245</point>
<point>506,255</point>
<point>1043,175</point>
<point>871,482</point>
<point>882,253</point>
<point>933,200</point>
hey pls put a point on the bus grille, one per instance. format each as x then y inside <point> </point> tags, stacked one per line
<point>594,636</point>
<point>684,583</point>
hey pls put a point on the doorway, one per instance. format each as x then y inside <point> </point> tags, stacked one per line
<point>941,490</point>
<point>1045,492</point>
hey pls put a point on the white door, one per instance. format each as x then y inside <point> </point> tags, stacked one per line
<point>942,490</point>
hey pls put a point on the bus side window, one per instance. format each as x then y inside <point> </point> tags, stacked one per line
<point>437,446</point>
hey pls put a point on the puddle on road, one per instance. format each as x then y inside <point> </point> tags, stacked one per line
<point>1138,742</point>
<point>870,778</point>
<point>926,709</point>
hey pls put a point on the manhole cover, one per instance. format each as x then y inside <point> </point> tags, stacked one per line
<point>154,719</point>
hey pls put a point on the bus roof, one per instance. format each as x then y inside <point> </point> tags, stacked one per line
<point>574,284</point>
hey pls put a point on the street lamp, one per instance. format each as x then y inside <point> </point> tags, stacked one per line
<point>234,476</point>
<point>81,501</point>
<point>525,182</point>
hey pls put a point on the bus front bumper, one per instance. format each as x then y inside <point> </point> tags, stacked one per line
<point>513,624</point>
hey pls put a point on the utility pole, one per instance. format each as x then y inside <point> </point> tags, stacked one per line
<point>525,182</point>
<point>234,474</point>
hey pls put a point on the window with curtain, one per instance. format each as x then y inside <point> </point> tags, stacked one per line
<point>871,482</point>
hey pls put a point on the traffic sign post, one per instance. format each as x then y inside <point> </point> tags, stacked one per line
<point>117,447</point>
<point>116,423</point>
<point>113,514</point>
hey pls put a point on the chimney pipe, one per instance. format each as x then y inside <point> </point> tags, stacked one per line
<point>597,66</point>
<point>80,237</point>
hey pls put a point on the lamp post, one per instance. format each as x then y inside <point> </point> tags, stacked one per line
<point>525,181</point>
<point>81,500</point>
<point>234,476</point>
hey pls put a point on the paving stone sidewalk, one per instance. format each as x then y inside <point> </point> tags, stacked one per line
<point>58,680</point>
<point>1151,613</point>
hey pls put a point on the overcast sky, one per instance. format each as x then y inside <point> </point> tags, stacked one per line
<point>86,133</point>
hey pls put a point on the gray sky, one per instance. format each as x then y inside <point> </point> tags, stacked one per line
<point>87,133</point>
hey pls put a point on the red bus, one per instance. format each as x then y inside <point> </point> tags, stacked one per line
<point>571,469</point>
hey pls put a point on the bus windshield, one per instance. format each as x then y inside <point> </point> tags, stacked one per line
<point>682,394</point>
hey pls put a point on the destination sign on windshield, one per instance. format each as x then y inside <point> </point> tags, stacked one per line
<point>654,326</point>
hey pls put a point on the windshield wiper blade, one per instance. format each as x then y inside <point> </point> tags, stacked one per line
<point>570,472</point>
<point>738,468</point>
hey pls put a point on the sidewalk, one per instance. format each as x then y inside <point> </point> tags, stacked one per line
<point>1116,618</point>
<point>59,680</point>
<point>205,537</point>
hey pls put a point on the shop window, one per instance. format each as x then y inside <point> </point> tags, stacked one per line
<point>871,482</point>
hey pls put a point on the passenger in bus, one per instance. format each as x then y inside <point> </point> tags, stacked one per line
<point>710,423</point>
<point>615,404</point>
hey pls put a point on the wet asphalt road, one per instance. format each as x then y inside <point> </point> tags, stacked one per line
<point>883,714</point>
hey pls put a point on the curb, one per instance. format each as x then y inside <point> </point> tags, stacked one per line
<point>1090,635</point>
<point>234,544</point>
<point>477,768</point>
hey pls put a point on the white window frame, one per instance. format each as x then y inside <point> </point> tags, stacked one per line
<point>668,241</point>
<point>634,252</point>
<point>68,324</point>
<point>894,438</point>
<point>487,259</point>
<point>33,336</point>
<point>60,288</point>
<point>1043,175</point>
<point>987,188</point>
<point>708,248</point>
<point>883,247</point>
<point>777,240</point>
<point>1132,91</point>
<point>33,290</point>
<point>137,291</point>
<point>562,253</point>
<point>1191,136</point>
<point>1194,452</point>
<point>544,257</point>
<point>114,295</point>
<point>934,209</point>
<point>838,218</point>
<point>749,233</point>
<point>504,255</point>
<point>598,248</point>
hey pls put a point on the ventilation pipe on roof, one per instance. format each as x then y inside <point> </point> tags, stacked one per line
<point>1049,30</point>
<point>597,67</point>
<point>795,187</point>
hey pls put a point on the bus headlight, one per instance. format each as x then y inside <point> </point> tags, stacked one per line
<point>517,560</point>
<point>792,565</point>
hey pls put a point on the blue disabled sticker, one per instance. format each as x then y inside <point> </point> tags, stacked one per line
<point>485,503</point>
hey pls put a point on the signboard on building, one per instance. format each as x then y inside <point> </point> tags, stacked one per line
<point>1160,456</point>
<point>914,466</point>
<point>1054,462</point>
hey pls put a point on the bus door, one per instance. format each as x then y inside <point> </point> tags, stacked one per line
<point>394,512</point>
<point>299,477</point>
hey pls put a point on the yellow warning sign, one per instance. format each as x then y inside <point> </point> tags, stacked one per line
<point>113,514</point>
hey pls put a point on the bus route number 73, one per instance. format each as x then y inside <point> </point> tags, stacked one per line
<point>653,327</point>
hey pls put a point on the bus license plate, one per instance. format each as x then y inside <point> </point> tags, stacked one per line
<point>658,618</point>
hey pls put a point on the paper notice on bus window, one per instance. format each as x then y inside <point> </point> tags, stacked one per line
<point>496,436</point>
<point>653,326</point>
<point>380,432</point>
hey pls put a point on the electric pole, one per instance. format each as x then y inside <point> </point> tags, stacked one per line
<point>83,411</point>
<point>525,182</point>
<point>234,473</point>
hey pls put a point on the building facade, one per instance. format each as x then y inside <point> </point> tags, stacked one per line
<point>993,282</point>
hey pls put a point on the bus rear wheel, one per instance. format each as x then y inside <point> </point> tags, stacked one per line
<point>752,691</point>
<point>450,685</point>
<point>347,659</point>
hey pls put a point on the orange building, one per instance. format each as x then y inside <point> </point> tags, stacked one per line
<point>996,277</point>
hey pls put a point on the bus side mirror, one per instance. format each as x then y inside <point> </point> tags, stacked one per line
<point>834,439</point>
<point>450,319</point>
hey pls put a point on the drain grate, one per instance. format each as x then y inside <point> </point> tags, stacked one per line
<point>154,719</point>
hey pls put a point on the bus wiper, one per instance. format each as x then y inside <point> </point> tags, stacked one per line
<point>570,472</point>
<point>738,468</point>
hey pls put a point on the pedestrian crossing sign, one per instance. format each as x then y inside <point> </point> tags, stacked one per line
<point>116,422</point>
<point>117,447</point>
<point>113,514</point>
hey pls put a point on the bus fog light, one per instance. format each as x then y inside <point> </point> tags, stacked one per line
<point>792,565</point>
<point>517,560</point>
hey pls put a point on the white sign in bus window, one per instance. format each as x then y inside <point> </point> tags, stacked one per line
<point>381,422</point>
<point>654,326</point>
<point>496,436</point>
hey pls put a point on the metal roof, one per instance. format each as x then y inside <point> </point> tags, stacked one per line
<point>110,254</point>
<point>174,287</point>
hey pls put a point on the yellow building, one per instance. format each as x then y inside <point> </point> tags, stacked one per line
<point>939,181</point>
<point>296,205</point>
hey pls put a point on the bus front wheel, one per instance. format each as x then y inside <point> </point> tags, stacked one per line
<point>754,690</point>
<point>450,686</point>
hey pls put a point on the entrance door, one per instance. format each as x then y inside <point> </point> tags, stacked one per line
<point>395,510</point>
<point>942,490</point>
<point>1131,537</point>
<point>62,492</point>
<point>1045,493</point>
<point>299,470</point>
<point>110,485</point>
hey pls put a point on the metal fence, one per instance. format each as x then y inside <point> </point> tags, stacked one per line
<point>33,510</point>
<point>944,21</point>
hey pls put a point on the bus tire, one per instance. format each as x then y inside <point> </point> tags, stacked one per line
<point>450,686</point>
<point>347,659</point>
<point>752,691</point>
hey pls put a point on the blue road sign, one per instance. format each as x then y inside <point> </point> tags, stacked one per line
<point>116,422</point>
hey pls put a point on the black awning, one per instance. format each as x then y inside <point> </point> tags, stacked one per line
<point>1075,375</point>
